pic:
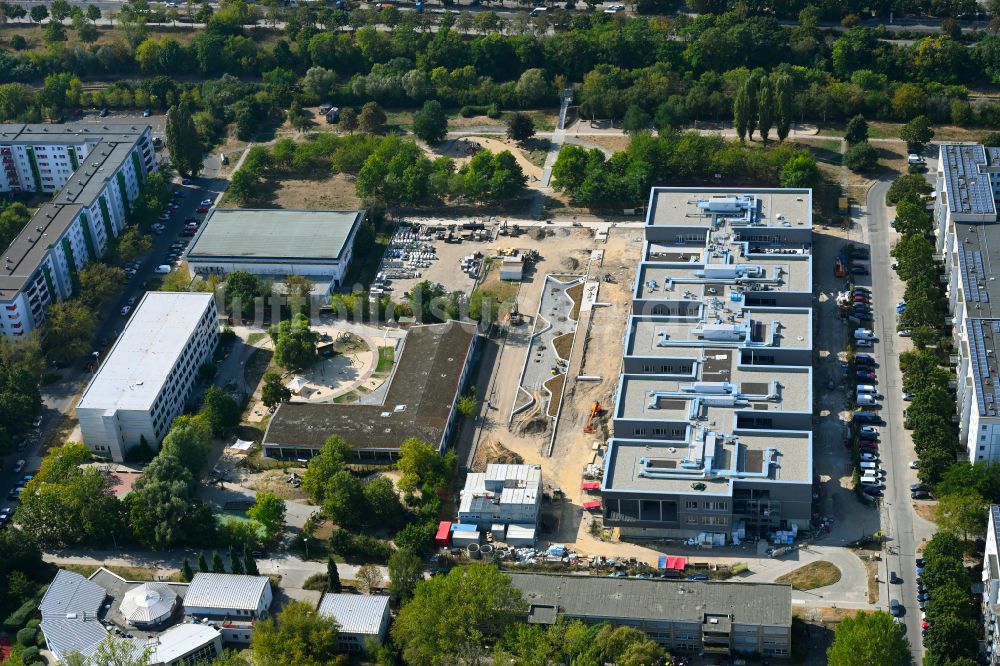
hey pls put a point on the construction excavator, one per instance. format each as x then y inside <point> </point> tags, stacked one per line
<point>595,411</point>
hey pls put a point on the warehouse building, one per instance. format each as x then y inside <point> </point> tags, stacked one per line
<point>965,214</point>
<point>713,411</point>
<point>149,373</point>
<point>315,244</point>
<point>419,401</point>
<point>711,618</point>
<point>360,619</point>
<point>503,494</point>
<point>95,173</point>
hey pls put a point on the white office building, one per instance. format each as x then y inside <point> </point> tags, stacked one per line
<point>360,618</point>
<point>95,173</point>
<point>507,494</point>
<point>968,238</point>
<point>150,372</point>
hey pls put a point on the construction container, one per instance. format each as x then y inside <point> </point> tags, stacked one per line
<point>443,537</point>
<point>520,535</point>
<point>464,539</point>
<point>499,531</point>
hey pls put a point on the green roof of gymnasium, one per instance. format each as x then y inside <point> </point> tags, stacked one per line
<point>281,235</point>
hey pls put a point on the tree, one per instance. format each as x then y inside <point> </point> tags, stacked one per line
<point>520,127</point>
<point>68,331</point>
<point>249,564</point>
<point>344,500</point>
<point>382,502</point>
<point>274,391</point>
<point>186,572</point>
<point>742,110</point>
<point>268,510</point>
<point>349,120</point>
<point>202,563</point>
<point>868,639</point>
<point>243,185</point>
<point>857,130</point>
<point>430,123</point>
<point>861,157</point>
<point>242,289</point>
<point>917,133</point>
<point>183,140</point>
<point>163,507</point>
<point>323,466</point>
<point>487,177</point>
<point>963,512</point>
<point>221,411</point>
<point>294,343</point>
<point>950,638</point>
<point>417,461</point>
<point>297,118</point>
<point>907,184</point>
<point>217,564</point>
<point>189,441</point>
<point>333,576</point>
<point>93,12</point>
<point>405,571</point>
<point>235,563</point>
<point>782,104</point>
<point>532,88</point>
<point>800,171</point>
<point>59,9</point>
<point>132,243</point>
<point>636,120</point>
<point>369,578</point>
<point>372,119</point>
<point>450,613</point>
<point>54,32</point>
<point>38,13</point>
<point>765,109</point>
<point>298,635</point>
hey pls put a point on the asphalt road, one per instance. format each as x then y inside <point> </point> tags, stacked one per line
<point>898,516</point>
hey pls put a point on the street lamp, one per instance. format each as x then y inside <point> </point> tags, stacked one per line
<point>305,542</point>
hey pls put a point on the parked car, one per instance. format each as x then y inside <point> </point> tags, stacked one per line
<point>869,457</point>
<point>163,269</point>
<point>158,227</point>
<point>185,181</point>
<point>864,360</point>
<point>867,417</point>
<point>866,375</point>
<point>37,422</point>
<point>920,495</point>
<point>15,494</point>
<point>207,202</point>
<point>19,466</point>
<point>700,576</point>
<point>895,608</point>
<point>914,464</point>
<point>905,333</point>
<point>201,209</point>
<point>125,310</point>
<point>919,486</point>
<point>164,217</point>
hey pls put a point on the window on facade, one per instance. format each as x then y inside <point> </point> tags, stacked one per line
<point>691,504</point>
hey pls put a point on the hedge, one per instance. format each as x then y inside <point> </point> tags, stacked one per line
<point>27,636</point>
<point>16,620</point>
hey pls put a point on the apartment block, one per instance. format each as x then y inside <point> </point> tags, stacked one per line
<point>713,411</point>
<point>968,240</point>
<point>94,173</point>
<point>149,373</point>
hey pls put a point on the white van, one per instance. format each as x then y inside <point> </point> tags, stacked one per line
<point>867,389</point>
<point>863,334</point>
<point>867,464</point>
<point>866,400</point>
<point>163,269</point>
<point>913,158</point>
<point>538,11</point>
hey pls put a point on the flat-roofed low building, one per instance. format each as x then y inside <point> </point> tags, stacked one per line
<point>149,373</point>
<point>713,618</point>
<point>419,402</point>
<point>360,619</point>
<point>713,413</point>
<point>228,596</point>
<point>314,244</point>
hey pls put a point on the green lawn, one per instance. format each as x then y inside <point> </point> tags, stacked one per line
<point>386,358</point>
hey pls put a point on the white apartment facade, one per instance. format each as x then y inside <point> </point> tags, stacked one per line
<point>96,172</point>
<point>968,238</point>
<point>149,374</point>
<point>991,590</point>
